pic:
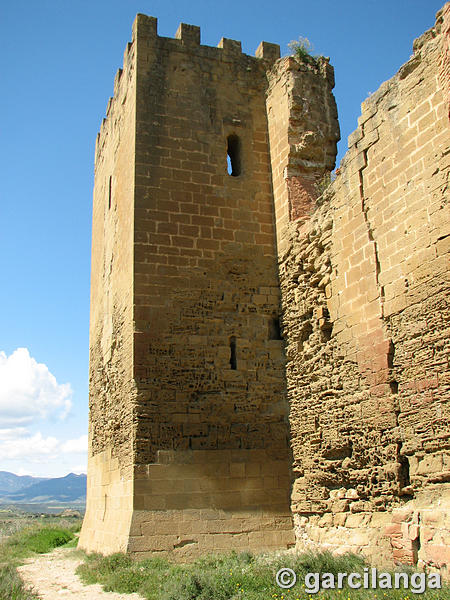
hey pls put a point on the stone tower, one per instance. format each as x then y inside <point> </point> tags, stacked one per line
<point>204,156</point>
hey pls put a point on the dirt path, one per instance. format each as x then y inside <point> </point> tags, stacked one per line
<point>52,576</point>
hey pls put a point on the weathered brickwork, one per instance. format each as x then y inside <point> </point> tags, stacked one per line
<point>208,431</point>
<point>365,312</point>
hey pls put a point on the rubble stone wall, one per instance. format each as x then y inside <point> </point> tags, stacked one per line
<point>365,314</point>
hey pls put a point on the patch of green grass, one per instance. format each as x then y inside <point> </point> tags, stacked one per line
<point>32,540</point>
<point>233,577</point>
<point>44,540</point>
<point>73,543</point>
<point>11,523</point>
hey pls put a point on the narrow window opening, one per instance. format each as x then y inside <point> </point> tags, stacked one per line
<point>274,329</point>
<point>110,192</point>
<point>233,362</point>
<point>394,387</point>
<point>404,476</point>
<point>234,155</point>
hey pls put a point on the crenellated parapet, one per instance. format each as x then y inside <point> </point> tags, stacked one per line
<point>188,36</point>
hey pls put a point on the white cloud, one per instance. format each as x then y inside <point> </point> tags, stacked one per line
<point>43,456</point>
<point>77,446</point>
<point>10,434</point>
<point>37,448</point>
<point>33,448</point>
<point>22,471</point>
<point>28,391</point>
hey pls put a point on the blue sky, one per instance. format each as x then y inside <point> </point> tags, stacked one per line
<point>59,62</point>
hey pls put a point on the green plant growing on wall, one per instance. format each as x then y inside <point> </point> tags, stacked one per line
<point>302,49</point>
<point>324,182</point>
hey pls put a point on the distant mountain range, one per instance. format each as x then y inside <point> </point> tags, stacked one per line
<point>10,483</point>
<point>16,489</point>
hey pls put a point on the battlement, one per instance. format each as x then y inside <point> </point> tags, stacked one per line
<point>188,36</point>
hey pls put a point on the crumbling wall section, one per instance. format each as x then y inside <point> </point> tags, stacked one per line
<point>365,299</point>
<point>303,132</point>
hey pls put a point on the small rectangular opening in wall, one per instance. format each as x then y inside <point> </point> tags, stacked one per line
<point>274,329</point>
<point>404,473</point>
<point>234,155</point>
<point>233,361</point>
<point>394,387</point>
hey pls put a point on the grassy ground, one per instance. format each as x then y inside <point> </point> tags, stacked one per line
<point>226,577</point>
<point>22,536</point>
<point>235,577</point>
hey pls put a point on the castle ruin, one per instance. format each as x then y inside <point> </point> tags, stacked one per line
<point>269,364</point>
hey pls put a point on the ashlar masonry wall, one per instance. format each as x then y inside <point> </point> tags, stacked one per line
<point>364,282</point>
<point>212,459</point>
